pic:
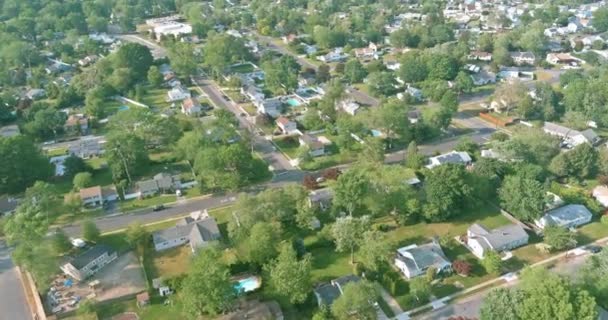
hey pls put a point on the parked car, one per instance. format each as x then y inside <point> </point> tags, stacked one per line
<point>593,249</point>
<point>159,207</point>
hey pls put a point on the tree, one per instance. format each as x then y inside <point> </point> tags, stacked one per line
<point>310,182</point>
<point>533,38</point>
<point>74,165</point>
<point>323,74</point>
<point>501,304</point>
<point>82,180</point>
<point>374,250</point>
<point>412,68</point>
<point>61,242</point>
<point>580,162</point>
<point>532,145</point>
<point>358,298</point>
<point>289,276</point>
<point>594,277</point>
<point>492,262</point>
<point>261,245</point>
<point>281,76</point>
<point>522,197</point>
<point>448,191</point>
<point>461,267</point>
<point>354,72</point>
<point>208,288</point>
<point>21,164</point>
<point>137,235</point>
<point>372,153</point>
<point>413,159</point>
<point>550,296</point>
<point>559,238</point>
<point>396,128</point>
<point>90,232</point>
<point>420,288</point>
<point>135,57</point>
<point>126,156</point>
<point>223,50</point>
<point>381,83</point>
<point>183,59</point>
<point>464,83</point>
<point>349,191</point>
<point>155,78</point>
<point>346,233</point>
<point>600,19</point>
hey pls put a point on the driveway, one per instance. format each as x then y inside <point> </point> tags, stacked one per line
<point>13,303</point>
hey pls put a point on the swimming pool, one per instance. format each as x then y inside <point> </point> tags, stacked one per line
<point>247,284</point>
<point>123,108</point>
<point>292,102</point>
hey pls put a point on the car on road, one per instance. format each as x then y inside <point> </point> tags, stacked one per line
<point>159,207</point>
<point>593,249</point>
<point>225,97</point>
<point>242,114</point>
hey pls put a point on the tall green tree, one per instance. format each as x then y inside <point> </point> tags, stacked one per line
<point>261,245</point>
<point>155,78</point>
<point>207,289</point>
<point>501,304</point>
<point>594,277</point>
<point>82,180</point>
<point>281,76</point>
<point>522,197</point>
<point>346,233</point>
<point>290,276</point>
<point>349,191</point>
<point>354,72</point>
<point>492,262</point>
<point>135,57</point>
<point>559,238</point>
<point>126,156</point>
<point>21,164</point>
<point>395,127</point>
<point>374,251</point>
<point>358,298</point>
<point>90,231</point>
<point>449,191</point>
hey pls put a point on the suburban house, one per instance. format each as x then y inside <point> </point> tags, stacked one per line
<point>321,198</point>
<point>413,116</point>
<point>520,58</point>
<point>35,94</point>
<point>171,28</point>
<point>563,58</point>
<point>191,107</point>
<point>315,147</point>
<point>86,149</point>
<point>571,137</point>
<point>455,157</point>
<point>480,55</point>
<point>414,260</point>
<point>366,53</point>
<point>327,293</point>
<point>77,123</point>
<point>90,262</point>
<point>334,56</point>
<point>178,93</point>
<point>147,188</point>
<point>287,126</point>
<point>349,106</point>
<point>9,131</point>
<point>483,78</point>
<point>92,196</point>
<point>481,240</point>
<point>8,205</point>
<point>568,216</point>
<point>515,73</point>
<point>271,107</point>
<point>167,182</point>
<point>600,193</point>
<point>198,230</point>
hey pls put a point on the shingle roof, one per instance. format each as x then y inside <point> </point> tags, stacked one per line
<point>90,192</point>
<point>199,232</point>
<point>499,237</point>
<point>327,293</point>
<point>95,252</point>
<point>147,185</point>
<point>564,215</point>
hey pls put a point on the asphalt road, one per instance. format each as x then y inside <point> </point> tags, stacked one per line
<point>157,51</point>
<point>470,306</point>
<point>68,144</point>
<point>13,305</point>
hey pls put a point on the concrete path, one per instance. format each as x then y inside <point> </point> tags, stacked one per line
<point>13,302</point>
<point>392,303</point>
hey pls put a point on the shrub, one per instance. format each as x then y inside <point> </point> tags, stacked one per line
<point>604,219</point>
<point>461,267</point>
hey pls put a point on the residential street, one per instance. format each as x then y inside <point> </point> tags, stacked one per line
<point>13,303</point>
<point>157,51</point>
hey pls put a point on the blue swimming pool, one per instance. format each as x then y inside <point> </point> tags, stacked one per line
<point>292,102</point>
<point>247,284</point>
<point>123,108</point>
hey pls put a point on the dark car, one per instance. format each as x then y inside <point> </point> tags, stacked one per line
<point>593,249</point>
<point>159,207</point>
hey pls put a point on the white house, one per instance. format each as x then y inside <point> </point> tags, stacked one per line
<point>335,56</point>
<point>482,240</point>
<point>172,28</point>
<point>178,93</point>
<point>90,262</point>
<point>271,107</point>
<point>569,136</point>
<point>600,193</point>
<point>568,216</point>
<point>455,157</point>
<point>520,57</point>
<point>315,147</point>
<point>349,106</point>
<point>198,230</point>
<point>414,260</point>
<point>191,107</point>
<point>286,125</point>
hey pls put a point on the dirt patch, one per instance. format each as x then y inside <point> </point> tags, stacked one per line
<point>122,277</point>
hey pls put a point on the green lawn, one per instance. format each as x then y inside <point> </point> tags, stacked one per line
<point>129,205</point>
<point>242,68</point>
<point>155,98</point>
<point>289,145</point>
<point>57,152</point>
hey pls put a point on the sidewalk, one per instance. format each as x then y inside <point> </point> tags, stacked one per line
<point>392,303</point>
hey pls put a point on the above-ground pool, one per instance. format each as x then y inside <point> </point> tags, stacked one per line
<point>247,284</point>
<point>123,108</point>
<point>292,102</point>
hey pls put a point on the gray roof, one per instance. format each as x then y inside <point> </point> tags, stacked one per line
<point>199,232</point>
<point>321,195</point>
<point>499,237</point>
<point>343,281</point>
<point>8,204</point>
<point>147,185</point>
<point>164,180</point>
<point>590,135</point>
<point>453,157</point>
<point>424,256</point>
<point>559,129</point>
<point>566,214</point>
<point>87,257</point>
<point>326,294</point>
